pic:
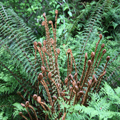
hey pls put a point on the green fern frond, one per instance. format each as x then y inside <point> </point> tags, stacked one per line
<point>86,34</point>
<point>17,43</point>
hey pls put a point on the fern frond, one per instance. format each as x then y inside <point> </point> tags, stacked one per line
<point>85,36</point>
<point>17,43</point>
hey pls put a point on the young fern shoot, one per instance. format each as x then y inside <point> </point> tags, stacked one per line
<point>73,86</point>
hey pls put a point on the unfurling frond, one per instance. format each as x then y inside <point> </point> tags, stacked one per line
<point>75,87</point>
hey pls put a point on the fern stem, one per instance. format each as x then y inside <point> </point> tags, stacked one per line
<point>33,111</point>
<point>39,50</point>
<point>97,59</point>
<point>83,68</point>
<point>100,81</point>
<point>28,113</point>
<point>47,90</point>
<point>88,88</point>
<point>104,51</point>
<point>86,75</point>
<point>20,113</point>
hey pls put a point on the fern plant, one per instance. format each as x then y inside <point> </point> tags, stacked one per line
<point>49,77</point>
<point>42,76</point>
<point>104,105</point>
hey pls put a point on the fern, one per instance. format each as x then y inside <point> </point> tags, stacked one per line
<point>18,108</point>
<point>86,38</point>
<point>37,70</point>
<point>102,106</point>
<point>1,116</point>
<point>50,78</point>
<point>14,40</point>
<point>104,103</point>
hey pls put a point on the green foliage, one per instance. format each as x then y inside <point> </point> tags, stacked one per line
<point>102,106</point>
<point>78,29</point>
<point>7,105</point>
<point>7,83</point>
<point>1,116</point>
<point>111,23</point>
<point>18,108</point>
<point>12,75</point>
<point>105,104</point>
